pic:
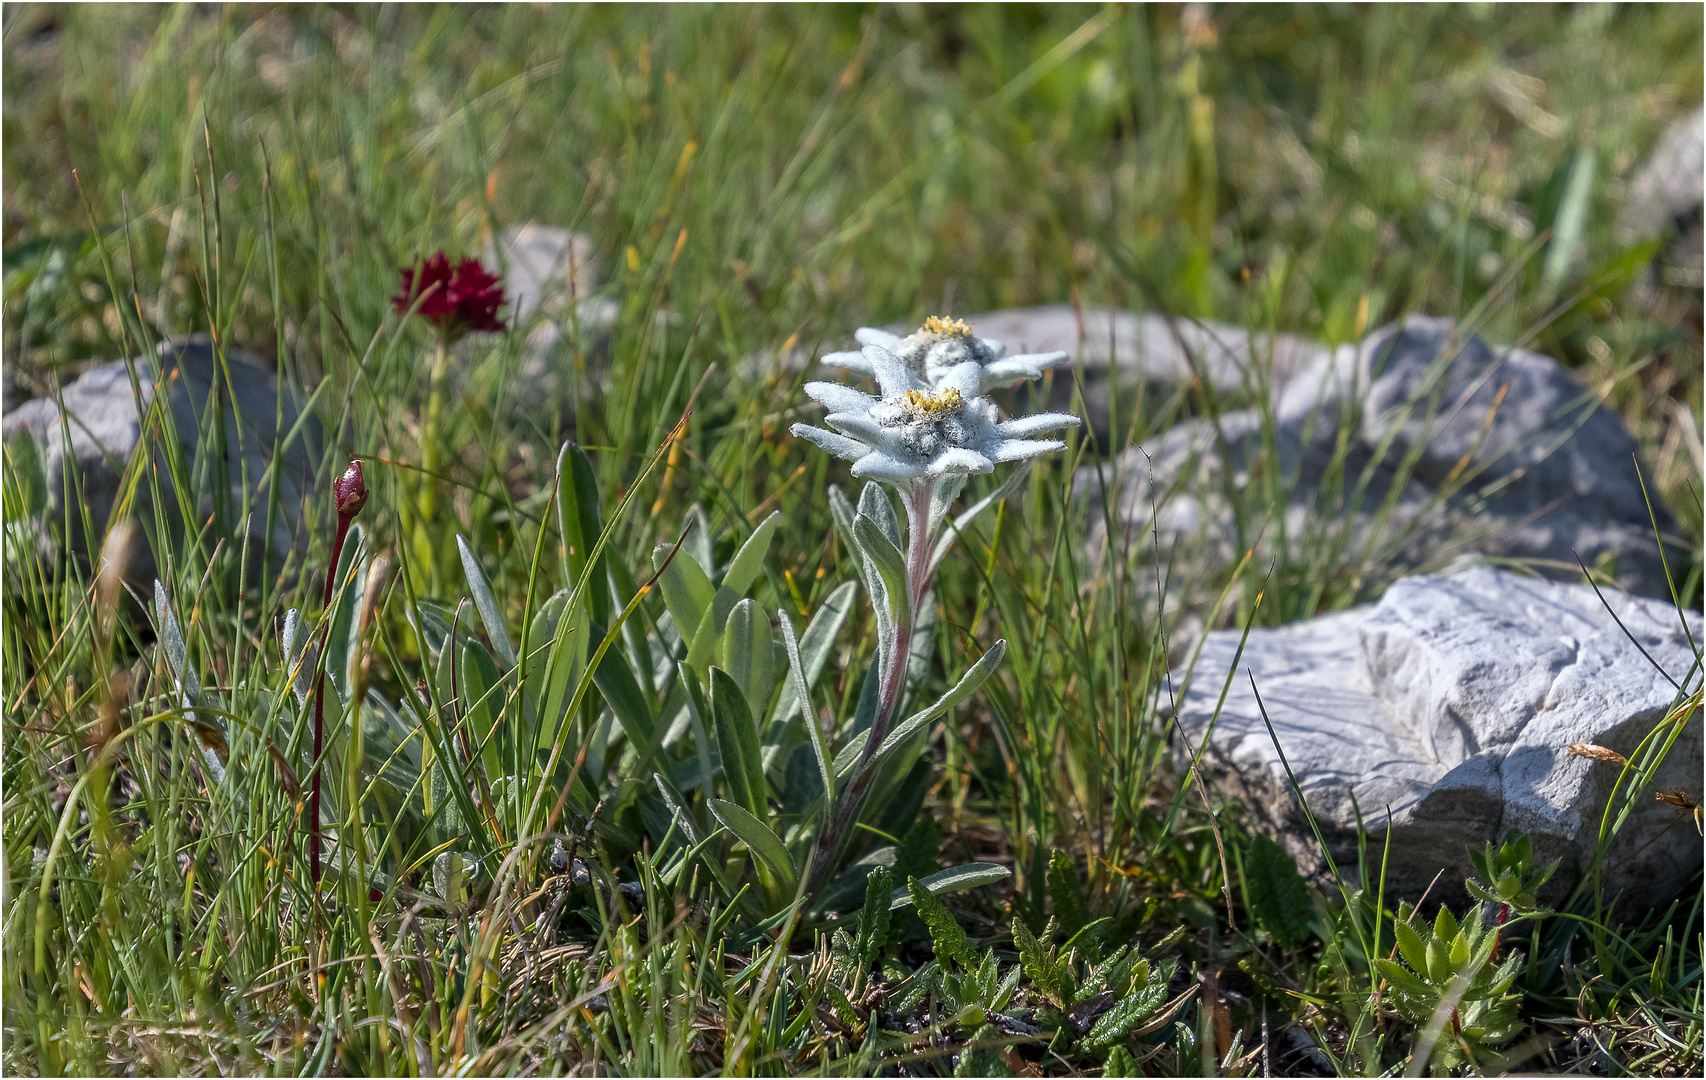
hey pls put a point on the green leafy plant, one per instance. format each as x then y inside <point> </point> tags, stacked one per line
<point>1277,896</point>
<point>1451,989</point>
<point>1507,877</point>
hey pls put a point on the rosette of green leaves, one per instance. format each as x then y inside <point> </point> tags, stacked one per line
<point>1451,989</point>
<point>756,755</point>
<point>1508,877</point>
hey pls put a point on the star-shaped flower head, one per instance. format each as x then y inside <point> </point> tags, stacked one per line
<point>942,344</point>
<point>917,429</point>
<point>454,301</point>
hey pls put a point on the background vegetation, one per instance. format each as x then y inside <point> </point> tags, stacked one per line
<point>757,180</point>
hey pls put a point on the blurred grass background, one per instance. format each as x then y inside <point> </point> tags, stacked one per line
<point>1320,168</point>
<point>756,179</point>
<point>777,176</point>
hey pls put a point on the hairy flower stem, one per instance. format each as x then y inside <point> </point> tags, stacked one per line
<point>426,501</point>
<point>891,685</point>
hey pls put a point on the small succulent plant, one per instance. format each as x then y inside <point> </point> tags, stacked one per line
<point>1453,987</point>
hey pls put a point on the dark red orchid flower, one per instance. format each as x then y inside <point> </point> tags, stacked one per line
<point>455,300</point>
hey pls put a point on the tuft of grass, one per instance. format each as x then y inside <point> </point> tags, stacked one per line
<point>754,180</point>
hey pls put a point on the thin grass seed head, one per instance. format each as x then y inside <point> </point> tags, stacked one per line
<point>455,300</point>
<point>918,429</point>
<point>1596,752</point>
<point>942,344</point>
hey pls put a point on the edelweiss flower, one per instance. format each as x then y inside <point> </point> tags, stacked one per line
<point>941,345</point>
<point>916,429</point>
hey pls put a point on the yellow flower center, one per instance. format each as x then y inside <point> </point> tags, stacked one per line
<point>946,325</point>
<point>933,406</point>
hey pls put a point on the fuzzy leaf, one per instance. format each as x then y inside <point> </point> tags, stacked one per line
<point>698,543</point>
<point>710,632</point>
<point>1403,980</point>
<point>187,683</point>
<point>673,801</point>
<point>1439,968</point>
<point>482,701</point>
<point>874,503</point>
<point>622,693</point>
<point>842,513</point>
<point>974,677</point>
<point>747,654</point>
<point>1279,900</point>
<point>293,643</point>
<point>581,522</point>
<point>748,562</point>
<point>687,592</point>
<point>798,685</point>
<point>759,839</point>
<point>848,756</point>
<point>1445,926</point>
<point>737,738</point>
<point>341,636</point>
<point>949,941</point>
<point>491,614</point>
<point>1410,944</point>
<point>1063,888</point>
<point>1460,953</point>
<point>890,564</point>
<point>814,647</point>
<point>952,880</point>
<point>1013,483</point>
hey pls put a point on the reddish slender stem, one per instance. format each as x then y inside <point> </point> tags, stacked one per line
<point>320,708</point>
<point>349,492</point>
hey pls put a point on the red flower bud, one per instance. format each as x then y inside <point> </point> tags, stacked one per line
<point>349,492</point>
<point>455,300</point>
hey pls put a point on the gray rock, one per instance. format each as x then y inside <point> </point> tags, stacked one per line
<point>1665,199</point>
<point>1450,446</point>
<point>551,276</point>
<point>1449,705</point>
<point>545,268</point>
<point>1671,186</point>
<point>104,418</point>
<point>1144,345</point>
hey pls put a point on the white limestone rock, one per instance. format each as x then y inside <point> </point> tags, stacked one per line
<point>545,268</point>
<point>1453,446</point>
<point>552,278</point>
<point>1449,705</point>
<point>1671,185</point>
